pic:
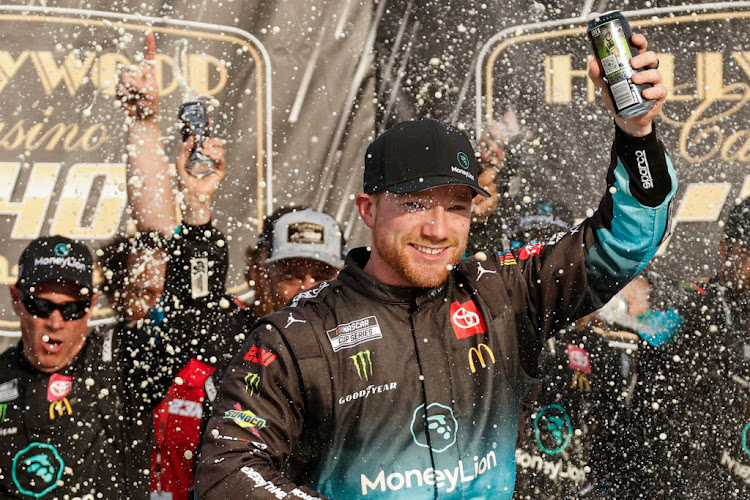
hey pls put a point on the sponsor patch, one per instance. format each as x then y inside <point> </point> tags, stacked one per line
<point>59,386</point>
<point>477,354</point>
<point>59,408</point>
<point>306,232</point>
<point>186,408</point>
<point>579,359</point>
<point>466,320</point>
<point>199,277</point>
<point>260,356</point>
<point>252,384</point>
<point>308,294</point>
<point>553,429</point>
<point>363,364</point>
<point>9,391</point>
<point>507,259</point>
<point>210,387</point>
<point>245,419</point>
<point>365,393</point>
<point>439,421</point>
<point>531,249</point>
<point>354,333</point>
<point>37,469</point>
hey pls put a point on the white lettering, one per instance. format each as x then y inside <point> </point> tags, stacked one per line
<point>644,170</point>
<point>554,470</point>
<point>463,172</point>
<point>415,477</point>
<point>185,408</point>
<point>380,479</point>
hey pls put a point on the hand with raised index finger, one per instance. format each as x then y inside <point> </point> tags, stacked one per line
<point>137,89</point>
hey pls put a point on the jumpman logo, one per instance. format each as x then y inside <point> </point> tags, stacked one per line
<point>291,319</point>
<point>482,271</point>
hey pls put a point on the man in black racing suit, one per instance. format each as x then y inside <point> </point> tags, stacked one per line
<point>403,377</point>
<point>78,426</point>
<point>693,404</point>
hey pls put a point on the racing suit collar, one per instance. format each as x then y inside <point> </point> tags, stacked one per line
<point>354,276</point>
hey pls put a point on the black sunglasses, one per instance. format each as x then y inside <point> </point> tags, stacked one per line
<point>43,308</point>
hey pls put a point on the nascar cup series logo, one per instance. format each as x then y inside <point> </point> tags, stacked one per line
<point>354,333</point>
<point>439,421</point>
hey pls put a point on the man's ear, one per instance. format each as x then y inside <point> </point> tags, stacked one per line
<point>94,299</point>
<point>367,207</point>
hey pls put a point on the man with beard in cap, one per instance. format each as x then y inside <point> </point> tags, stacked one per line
<point>403,377</point>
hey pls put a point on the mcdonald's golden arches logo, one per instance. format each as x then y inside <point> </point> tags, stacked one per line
<point>477,352</point>
<point>60,407</point>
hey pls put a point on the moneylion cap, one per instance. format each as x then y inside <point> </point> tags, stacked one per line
<point>55,258</point>
<point>421,154</point>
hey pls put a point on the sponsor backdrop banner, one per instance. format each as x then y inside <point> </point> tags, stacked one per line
<point>539,70</point>
<point>288,80</point>
<point>300,85</point>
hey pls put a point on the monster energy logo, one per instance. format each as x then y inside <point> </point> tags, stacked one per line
<point>252,383</point>
<point>3,411</point>
<point>363,363</point>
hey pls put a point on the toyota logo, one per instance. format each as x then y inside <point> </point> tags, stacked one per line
<point>579,359</point>
<point>464,318</point>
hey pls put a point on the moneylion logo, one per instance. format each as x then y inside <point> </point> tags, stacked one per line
<point>363,363</point>
<point>477,352</point>
<point>463,160</point>
<point>62,250</point>
<point>252,383</point>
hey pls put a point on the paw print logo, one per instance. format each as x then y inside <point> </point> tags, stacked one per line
<point>37,469</point>
<point>553,429</point>
<point>62,250</point>
<point>437,420</point>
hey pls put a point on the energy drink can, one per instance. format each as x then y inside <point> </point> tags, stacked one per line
<point>610,37</point>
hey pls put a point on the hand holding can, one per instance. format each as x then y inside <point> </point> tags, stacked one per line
<point>610,36</point>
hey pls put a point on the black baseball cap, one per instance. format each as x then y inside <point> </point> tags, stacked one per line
<point>737,227</point>
<point>55,258</point>
<point>421,154</point>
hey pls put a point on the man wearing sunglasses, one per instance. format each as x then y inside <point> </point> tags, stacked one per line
<point>53,298</point>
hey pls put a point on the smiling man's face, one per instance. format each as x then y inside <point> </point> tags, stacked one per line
<point>51,343</point>
<point>416,236</point>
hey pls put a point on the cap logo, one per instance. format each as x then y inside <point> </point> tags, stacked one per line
<point>463,160</point>
<point>62,250</point>
<point>306,232</point>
